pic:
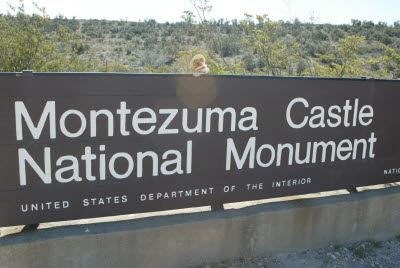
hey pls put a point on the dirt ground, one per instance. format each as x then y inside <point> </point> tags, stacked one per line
<point>362,254</point>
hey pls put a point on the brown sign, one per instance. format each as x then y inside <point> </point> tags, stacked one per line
<point>88,145</point>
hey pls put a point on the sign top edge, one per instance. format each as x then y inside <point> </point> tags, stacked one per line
<point>173,75</point>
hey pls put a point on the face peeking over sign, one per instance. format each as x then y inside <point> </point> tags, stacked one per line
<point>198,65</point>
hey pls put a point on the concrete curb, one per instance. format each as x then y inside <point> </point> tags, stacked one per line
<point>191,239</point>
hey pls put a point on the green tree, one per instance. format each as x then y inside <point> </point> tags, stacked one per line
<point>214,36</point>
<point>163,69</point>
<point>189,22</point>
<point>387,66</point>
<point>188,17</point>
<point>114,67</point>
<point>391,62</point>
<point>344,62</point>
<point>277,55</point>
<point>26,43</point>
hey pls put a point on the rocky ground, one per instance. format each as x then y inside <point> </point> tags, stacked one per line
<point>362,254</point>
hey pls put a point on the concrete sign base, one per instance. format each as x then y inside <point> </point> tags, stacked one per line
<point>193,239</point>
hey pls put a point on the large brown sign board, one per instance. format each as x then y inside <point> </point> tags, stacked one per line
<point>88,145</point>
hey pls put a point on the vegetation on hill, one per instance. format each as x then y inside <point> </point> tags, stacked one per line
<point>254,45</point>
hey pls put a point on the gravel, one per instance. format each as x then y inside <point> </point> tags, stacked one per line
<point>369,253</point>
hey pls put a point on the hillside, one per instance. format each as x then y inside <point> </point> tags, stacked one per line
<point>251,46</point>
<point>133,44</point>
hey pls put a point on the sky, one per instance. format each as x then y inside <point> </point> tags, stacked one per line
<point>318,11</point>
